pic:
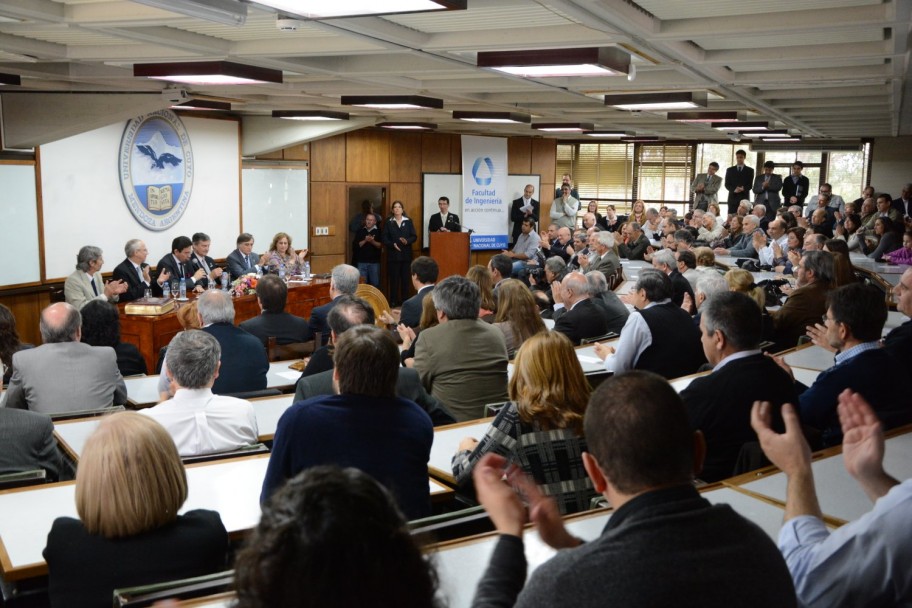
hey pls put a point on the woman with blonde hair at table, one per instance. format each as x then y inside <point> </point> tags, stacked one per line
<point>541,428</point>
<point>282,252</point>
<point>481,276</point>
<point>742,281</point>
<point>130,485</point>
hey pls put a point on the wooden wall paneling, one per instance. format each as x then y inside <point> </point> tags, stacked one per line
<point>327,159</point>
<point>435,153</point>
<point>405,157</point>
<point>367,156</point>
<point>455,154</point>
<point>299,152</point>
<point>328,207</point>
<point>544,160</point>
<point>26,308</point>
<point>519,155</point>
<point>325,263</point>
<point>481,257</point>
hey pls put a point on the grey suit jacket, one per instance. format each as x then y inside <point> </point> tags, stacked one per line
<point>65,377</point>
<point>606,264</point>
<point>78,290</point>
<point>769,197</point>
<point>710,194</point>
<point>27,442</point>
<point>408,386</point>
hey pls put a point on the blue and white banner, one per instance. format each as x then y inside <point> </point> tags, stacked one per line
<point>485,200</point>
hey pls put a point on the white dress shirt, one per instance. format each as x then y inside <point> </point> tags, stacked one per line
<point>635,338</point>
<point>201,422</point>
<point>766,254</point>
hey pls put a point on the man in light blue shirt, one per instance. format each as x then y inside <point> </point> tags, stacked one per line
<point>867,562</point>
<point>525,247</point>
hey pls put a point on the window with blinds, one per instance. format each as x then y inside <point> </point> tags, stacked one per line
<point>602,171</point>
<point>664,172</point>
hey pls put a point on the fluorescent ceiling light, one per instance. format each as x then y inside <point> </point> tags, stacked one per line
<point>642,139</point>
<point>228,12</point>
<point>658,101</point>
<point>699,117</point>
<point>539,63</point>
<point>409,126</point>
<point>10,79</point>
<point>393,102</point>
<point>310,115</point>
<point>741,126</point>
<point>563,127</point>
<point>313,9</point>
<point>207,72</point>
<point>611,134</point>
<point>777,133</point>
<point>492,117</point>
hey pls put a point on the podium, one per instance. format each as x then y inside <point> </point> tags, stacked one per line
<point>451,252</point>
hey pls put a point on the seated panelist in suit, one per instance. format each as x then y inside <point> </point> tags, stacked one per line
<point>273,321</point>
<point>242,260</point>
<point>135,273</point>
<point>444,221</point>
<point>200,259</point>
<point>178,265</point>
<point>138,539</point>
<point>86,284</point>
<point>575,315</point>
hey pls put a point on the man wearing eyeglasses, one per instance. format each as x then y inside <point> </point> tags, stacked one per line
<point>825,199</point>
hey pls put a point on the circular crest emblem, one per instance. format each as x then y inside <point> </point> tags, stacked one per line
<point>156,169</point>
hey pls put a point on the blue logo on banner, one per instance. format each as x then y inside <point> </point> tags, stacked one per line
<point>478,172</point>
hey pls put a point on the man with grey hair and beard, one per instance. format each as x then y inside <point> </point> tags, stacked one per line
<point>199,421</point>
<point>462,361</point>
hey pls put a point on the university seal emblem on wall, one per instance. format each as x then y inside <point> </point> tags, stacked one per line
<point>156,169</point>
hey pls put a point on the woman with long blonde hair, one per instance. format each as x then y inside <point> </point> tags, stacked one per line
<point>517,314</point>
<point>638,213</point>
<point>541,428</point>
<point>481,276</point>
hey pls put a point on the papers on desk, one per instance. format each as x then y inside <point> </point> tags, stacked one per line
<point>291,375</point>
<point>812,357</point>
<point>446,441</point>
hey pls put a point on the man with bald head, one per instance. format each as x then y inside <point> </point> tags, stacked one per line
<point>63,374</point>
<point>575,315</point>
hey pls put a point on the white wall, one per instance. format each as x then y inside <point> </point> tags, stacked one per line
<point>83,203</point>
<point>891,164</point>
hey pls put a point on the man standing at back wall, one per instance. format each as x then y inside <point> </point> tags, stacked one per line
<point>739,179</point>
<point>522,208</point>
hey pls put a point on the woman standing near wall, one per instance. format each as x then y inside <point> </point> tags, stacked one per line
<point>398,237</point>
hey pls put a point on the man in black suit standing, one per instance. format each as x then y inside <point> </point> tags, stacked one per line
<point>200,259</point>
<point>135,272</point>
<point>273,321</point>
<point>566,180</point>
<point>575,314</point>
<point>444,221</point>
<point>523,207</point>
<point>178,265</point>
<point>719,404</point>
<point>738,181</point>
<point>795,187</point>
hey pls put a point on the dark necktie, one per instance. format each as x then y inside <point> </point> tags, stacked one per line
<point>94,288</point>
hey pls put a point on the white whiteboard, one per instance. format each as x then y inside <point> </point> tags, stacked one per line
<point>19,203</point>
<point>274,200</point>
<point>435,185</point>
